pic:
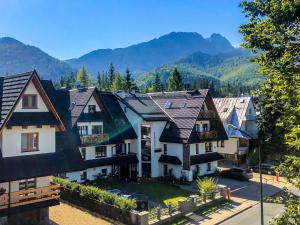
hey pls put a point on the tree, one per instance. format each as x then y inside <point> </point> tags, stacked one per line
<point>83,77</point>
<point>129,83</point>
<point>117,83</point>
<point>175,81</point>
<point>111,74</point>
<point>273,34</point>
<point>157,85</point>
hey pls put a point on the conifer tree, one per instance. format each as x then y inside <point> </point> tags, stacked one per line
<point>175,81</point>
<point>157,85</point>
<point>111,74</point>
<point>117,83</point>
<point>83,77</point>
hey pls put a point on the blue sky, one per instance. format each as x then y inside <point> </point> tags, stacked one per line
<point>70,28</point>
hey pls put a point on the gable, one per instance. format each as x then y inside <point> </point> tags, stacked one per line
<point>31,90</point>
<point>92,101</point>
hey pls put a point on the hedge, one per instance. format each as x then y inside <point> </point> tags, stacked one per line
<point>86,193</point>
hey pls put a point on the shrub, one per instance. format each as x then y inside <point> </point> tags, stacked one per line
<point>207,187</point>
<point>74,191</point>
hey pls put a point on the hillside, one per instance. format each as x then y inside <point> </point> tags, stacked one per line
<point>16,57</point>
<point>232,66</point>
<point>149,55</point>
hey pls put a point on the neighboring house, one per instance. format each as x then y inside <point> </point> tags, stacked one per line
<point>177,132</point>
<point>34,147</point>
<point>239,119</point>
<point>102,133</point>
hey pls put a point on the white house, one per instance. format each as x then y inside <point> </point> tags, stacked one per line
<point>29,128</point>
<point>239,119</point>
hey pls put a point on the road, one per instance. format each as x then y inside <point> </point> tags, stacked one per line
<point>252,215</point>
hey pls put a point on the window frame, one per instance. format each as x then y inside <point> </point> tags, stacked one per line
<point>30,143</point>
<point>83,153</point>
<point>26,184</point>
<point>165,149</point>
<point>197,149</point>
<point>80,129</point>
<point>100,130</point>
<point>83,175</point>
<point>208,167</point>
<point>101,155</point>
<point>222,144</point>
<point>209,148</point>
<point>29,101</point>
<point>91,107</point>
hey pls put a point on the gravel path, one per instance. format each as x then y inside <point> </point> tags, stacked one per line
<point>65,214</point>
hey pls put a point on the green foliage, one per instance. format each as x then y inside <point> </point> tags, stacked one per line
<point>207,186</point>
<point>111,74</point>
<point>117,83</point>
<point>129,83</point>
<point>83,77</point>
<point>273,31</point>
<point>75,191</point>
<point>175,81</point>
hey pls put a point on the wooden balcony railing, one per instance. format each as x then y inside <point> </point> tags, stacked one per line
<point>29,196</point>
<point>207,135</point>
<point>210,114</point>
<point>93,138</point>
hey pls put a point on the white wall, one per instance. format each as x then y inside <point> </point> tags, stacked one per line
<point>231,146</point>
<point>11,140</point>
<point>90,151</point>
<point>157,128</point>
<point>91,173</point>
<point>92,101</point>
<point>203,168</point>
<point>30,89</point>
<point>202,148</point>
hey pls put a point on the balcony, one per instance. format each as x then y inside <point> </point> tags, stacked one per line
<point>93,139</point>
<point>210,114</point>
<point>30,197</point>
<point>207,135</point>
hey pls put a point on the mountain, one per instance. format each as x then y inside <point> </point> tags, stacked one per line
<point>16,57</point>
<point>231,66</point>
<point>149,55</point>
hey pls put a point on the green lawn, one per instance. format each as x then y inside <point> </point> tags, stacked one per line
<point>156,191</point>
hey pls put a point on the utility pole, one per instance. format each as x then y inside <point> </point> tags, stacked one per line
<point>261,185</point>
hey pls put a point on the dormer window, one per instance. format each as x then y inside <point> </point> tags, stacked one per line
<point>29,101</point>
<point>92,108</point>
<point>30,142</point>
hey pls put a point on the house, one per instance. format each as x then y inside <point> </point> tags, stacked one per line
<point>101,132</point>
<point>239,119</point>
<point>177,132</point>
<point>34,147</point>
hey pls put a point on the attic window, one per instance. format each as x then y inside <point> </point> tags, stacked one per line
<point>225,109</point>
<point>168,126</point>
<point>29,101</point>
<point>72,106</point>
<point>242,100</point>
<point>168,105</point>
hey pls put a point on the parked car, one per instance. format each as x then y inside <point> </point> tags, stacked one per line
<point>126,194</point>
<point>237,173</point>
<point>266,168</point>
<point>115,191</point>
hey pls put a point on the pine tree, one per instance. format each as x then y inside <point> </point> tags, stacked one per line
<point>111,74</point>
<point>157,85</point>
<point>128,81</point>
<point>175,81</point>
<point>83,77</point>
<point>117,83</point>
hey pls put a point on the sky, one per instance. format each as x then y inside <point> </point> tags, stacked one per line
<point>70,28</point>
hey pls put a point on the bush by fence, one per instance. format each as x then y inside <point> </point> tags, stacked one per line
<point>97,200</point>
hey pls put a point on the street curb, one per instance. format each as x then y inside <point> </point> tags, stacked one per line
<point>239,212</point>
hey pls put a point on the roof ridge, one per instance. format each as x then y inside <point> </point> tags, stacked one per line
<point>19,74</point>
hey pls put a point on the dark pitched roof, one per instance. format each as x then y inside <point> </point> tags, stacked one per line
<point>11,89</point>
<point>205,158</point>
<point>31,119</point>
<point>169,159</point>
<point>144,106</point>
<point>183,108</point>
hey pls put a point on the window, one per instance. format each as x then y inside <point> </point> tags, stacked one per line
<point>83,175</point>
<point>217,143</point>
<point>97,129</point>
<point>104,172</point>
<point>197,149</point>
<point>30,142</point>
<point>92,108</point>
<point>222,144</point>
<point>146,132</point>
<point>165,170</point>
<point>208,147</point>
<point>197,169</point>
<point>27,184</point>
<point>205,127</point>
<point>29,101</point>
<point>208,167</point>
<point>100,151</point>
<point>197,127</point>
<point>165,149</point>
<point>83,153</point>
<point>250,111</point>
<point>168,105</point>
<point>83,130</point>
<point>129,147</point>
